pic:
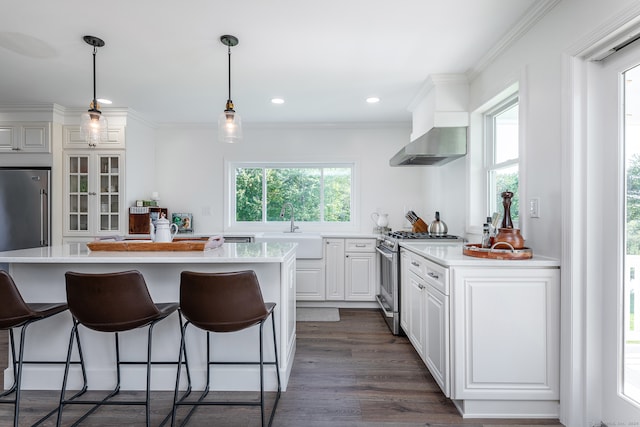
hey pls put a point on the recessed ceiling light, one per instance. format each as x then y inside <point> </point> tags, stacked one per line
<point>277,101</point>
<point>104,101</point>
<point>373,100</point>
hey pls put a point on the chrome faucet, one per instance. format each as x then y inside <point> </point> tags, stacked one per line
<point>293,227</point>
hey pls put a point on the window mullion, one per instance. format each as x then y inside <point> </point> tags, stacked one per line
<point>264,195</point>
<point>321,195</point>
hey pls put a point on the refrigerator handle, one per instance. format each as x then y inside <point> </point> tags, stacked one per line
<point>44,218</point>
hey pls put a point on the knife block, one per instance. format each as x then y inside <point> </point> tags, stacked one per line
<point>419,226</point>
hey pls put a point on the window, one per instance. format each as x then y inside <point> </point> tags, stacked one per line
<point>501,144</point>
<point>630,316</point>
<point>318,193</point>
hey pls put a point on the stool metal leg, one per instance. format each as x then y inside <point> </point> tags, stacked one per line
<point>105,401</point>
<point>275,349</point>
<point>194,404</point>
<point>188,391</point>
<point>18,363</point>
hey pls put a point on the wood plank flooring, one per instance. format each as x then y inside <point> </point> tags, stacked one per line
<point>351,373</point>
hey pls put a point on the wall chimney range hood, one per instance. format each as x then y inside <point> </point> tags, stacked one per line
<point>436,147</point>
<point>440,122</point>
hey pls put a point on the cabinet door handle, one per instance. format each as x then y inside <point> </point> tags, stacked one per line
<point>435,276</point>
<point>92,193</point>
<point>421,286</point>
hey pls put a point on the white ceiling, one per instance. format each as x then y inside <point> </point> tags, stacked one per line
<point>164,58</point>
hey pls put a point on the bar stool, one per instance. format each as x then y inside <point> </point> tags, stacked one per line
<point>15,313</point>
<point>225,302</point>
<point>112,302</point>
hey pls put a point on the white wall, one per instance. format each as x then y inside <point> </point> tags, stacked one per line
<point>537,61</point>
<point>140,164</point>
<point>190,167</point>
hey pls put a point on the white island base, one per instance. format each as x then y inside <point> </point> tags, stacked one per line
<point>39,275</point>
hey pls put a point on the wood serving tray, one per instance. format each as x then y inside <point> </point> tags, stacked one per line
<point>476,250</point>
<point>148,245</point>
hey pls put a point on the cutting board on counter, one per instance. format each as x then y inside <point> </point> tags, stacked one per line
<point>148,245</point>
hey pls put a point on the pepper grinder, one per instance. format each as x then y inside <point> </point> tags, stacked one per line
<point>506,233</point>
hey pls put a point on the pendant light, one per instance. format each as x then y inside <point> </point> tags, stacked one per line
<point>93,125</point>
<point>229,122</point>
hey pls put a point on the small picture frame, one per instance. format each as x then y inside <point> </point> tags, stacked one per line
<point>184,221</point>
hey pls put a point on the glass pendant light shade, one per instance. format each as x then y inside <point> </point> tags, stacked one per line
<point>229,127</point>
<point>93,127</point>
<point>229,122</point>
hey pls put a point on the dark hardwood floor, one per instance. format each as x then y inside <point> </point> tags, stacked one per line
<point>351,373</point>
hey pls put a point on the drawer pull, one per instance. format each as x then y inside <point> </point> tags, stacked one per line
<point>361,245</point>
<point>415,264</point>
<point>433,275</point>
<point>421,286</point>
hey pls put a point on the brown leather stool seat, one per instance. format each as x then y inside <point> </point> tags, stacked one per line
<point>112,302</point>
<point>225,302</point>
<point>15,313</point>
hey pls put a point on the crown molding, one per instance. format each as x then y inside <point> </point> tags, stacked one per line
<point>48,112</point>
<point>293,125</point>
<point>599,42</point>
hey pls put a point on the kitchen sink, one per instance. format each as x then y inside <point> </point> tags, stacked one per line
<point>309,244</point>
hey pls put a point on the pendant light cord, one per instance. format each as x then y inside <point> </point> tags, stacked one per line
<point>229,62</point>
<point>95,102</point>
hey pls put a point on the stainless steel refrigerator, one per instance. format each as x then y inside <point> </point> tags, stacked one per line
<point>24,208</point>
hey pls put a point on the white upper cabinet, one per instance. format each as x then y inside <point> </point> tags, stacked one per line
<point>25,137</point>
<point>93,194</point>
<point>71,138</point>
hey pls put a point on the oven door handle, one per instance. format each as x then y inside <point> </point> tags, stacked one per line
<point>383,308</point>
<point>388,255</point>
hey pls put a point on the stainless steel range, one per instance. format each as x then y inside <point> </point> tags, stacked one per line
<point>388,249</point>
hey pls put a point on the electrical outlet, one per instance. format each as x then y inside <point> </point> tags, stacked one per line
<point>534,207</point>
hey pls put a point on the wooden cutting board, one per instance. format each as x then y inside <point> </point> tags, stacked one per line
<point>148,245</point>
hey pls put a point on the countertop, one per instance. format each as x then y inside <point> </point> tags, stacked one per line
<point>227,253</point>
<point>450,255</point>
<point>330,234</point>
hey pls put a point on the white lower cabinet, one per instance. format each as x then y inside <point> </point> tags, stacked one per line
<point>506,337</point>
<point>310,280</point>
<point>360,276</point>
<point>416,318</point>
<point>334,269</point>
<point>425,311</point>
<point>437,337</point>
<point>404,296</point>
<point>347,273</point>
<point>489,335</point>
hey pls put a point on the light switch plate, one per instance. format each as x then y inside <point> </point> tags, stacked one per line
<point>534,207</point>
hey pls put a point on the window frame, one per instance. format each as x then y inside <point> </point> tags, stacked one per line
<point>490,165</point>
<point>230,198</point>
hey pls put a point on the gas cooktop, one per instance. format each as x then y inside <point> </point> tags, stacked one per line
<point>405,235</point>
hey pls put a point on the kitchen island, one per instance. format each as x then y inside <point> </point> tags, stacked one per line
<point>487,329</point>
<point>39,275</point>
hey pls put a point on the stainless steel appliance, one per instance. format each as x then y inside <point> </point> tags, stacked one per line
<point>24,208</point>
<point>388,250</point>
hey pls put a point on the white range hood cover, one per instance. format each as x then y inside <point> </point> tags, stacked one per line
<point>440,123</point>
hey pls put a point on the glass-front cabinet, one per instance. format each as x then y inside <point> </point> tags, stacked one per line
<point>94,193</point>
